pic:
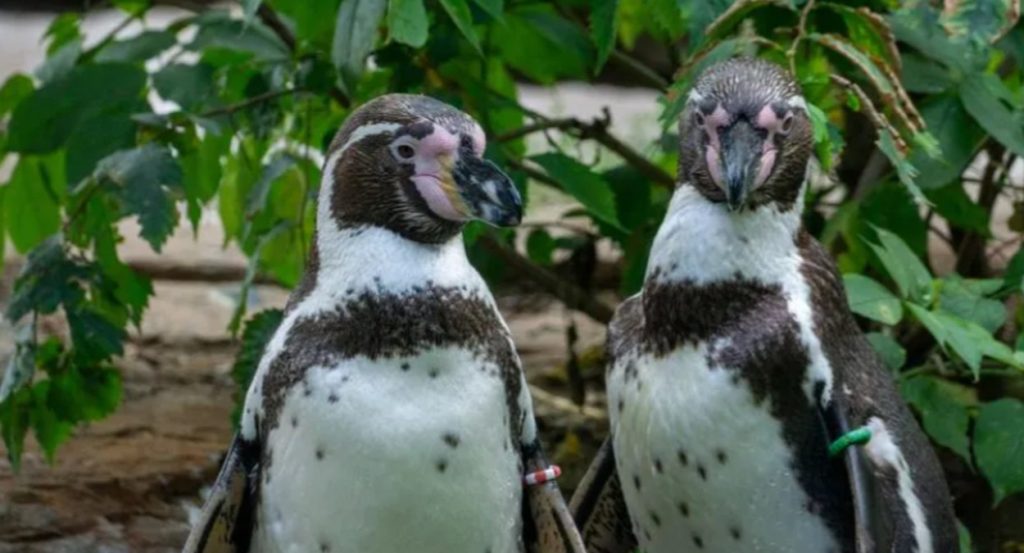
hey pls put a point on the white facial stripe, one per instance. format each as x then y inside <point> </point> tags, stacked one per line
<point>695,97</point>
<point>797,102</point>
<point>363,131</point>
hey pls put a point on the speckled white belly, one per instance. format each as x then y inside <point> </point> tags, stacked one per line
<point>393,456</point>
<point>702,467</point>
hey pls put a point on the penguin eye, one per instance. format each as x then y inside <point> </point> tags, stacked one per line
<point>787,124</point>
<point>405,151</point>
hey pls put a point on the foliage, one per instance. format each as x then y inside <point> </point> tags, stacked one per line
<point>904,99</point>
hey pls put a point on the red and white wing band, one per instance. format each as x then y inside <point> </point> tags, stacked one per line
<point>541,476</point>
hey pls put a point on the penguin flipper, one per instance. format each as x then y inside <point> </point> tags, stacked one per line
<point>873,528</point>
<point>599,508</point>
<point>548,524</point>
<point>226,522</point>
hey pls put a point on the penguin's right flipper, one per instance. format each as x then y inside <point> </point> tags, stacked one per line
<point>226,522</point>
<point>599,508</point>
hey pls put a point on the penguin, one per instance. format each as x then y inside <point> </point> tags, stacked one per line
<point>389,411</point>
<point>747,410</point>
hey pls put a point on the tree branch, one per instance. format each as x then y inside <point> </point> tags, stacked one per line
<point>571,295</point>
<point>249,102</point>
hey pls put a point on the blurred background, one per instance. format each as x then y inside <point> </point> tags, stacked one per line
<point>159,160</point>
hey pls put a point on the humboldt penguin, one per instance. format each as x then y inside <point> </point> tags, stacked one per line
<point>748,412</point>
<point>389,412</point>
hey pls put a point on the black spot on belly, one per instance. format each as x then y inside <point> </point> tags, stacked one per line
<point>698,541</point>
<point>319,453</point>
<point>655,518</point>
<point>722,457</point>
<point>295,421</point>
<point>647,534</point>
<point>452,439</point>
<point>621,405</point>
<point>636,481</point>
<point>684,508</point>
<point>442,465</point>
<point>734,531</point>
<point>324,547</point>
<point>405,366</point>
<point>702,472</point>
<point>657,466</point>
<point>683,459</point>
<point>434,372</point>
<point>332,398</point>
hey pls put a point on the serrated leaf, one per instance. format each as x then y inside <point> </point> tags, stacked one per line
<point>31,210</point>
<point>999,445</point>
<point>891,352</point>
<point>602,28</point>
<point>355,34</point>
<point>872,300</point>
<point>458,10</point>
<point>943,408</point>
<point>43,121</point>
<point>870,32</point>
<point>84,394</point>
<point>970,341</point>
<point>906,270</point>
<point>905,170</point>
<point>94,337</point>
<point>408,22</point>
<point>98,136</point>
<point>21,365</point>
<point>143,179</point>
<point>189,86</point>
<point>47,280</point>
<point>583,184</point>
<point>50,430</point>
<point>981,96</point>
<point>15,419</point>
<point>201,173</point>
<point>960,300</point>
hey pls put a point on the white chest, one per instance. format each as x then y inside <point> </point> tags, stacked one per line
<point>396,455</point>
<point>703,467</point>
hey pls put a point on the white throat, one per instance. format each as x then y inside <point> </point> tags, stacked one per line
<point>702,241</point>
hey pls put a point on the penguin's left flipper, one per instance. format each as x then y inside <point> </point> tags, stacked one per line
<point>873,525</point>
<point>600,510</point>
<point>548,525</point>
<point>226,522</point>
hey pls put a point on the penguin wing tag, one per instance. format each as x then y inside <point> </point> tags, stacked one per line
<point>874,529</point>
<point>225,525</point>
<point>600,510</point>
<point>548,525</point>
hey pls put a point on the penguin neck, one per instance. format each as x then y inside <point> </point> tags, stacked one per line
<point>702,242</point>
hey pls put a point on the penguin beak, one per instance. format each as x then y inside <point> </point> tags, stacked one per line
<point>741,160</point>
<point>487,193</point>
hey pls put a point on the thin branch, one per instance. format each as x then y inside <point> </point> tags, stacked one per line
<point>540,125</point>
<point>648,75</point>
<point>880,121</point>
<point>801,33</point>
<point>249,102</point>
<point>270,18</point>
<point>571,295</point>
<point>534,174</point>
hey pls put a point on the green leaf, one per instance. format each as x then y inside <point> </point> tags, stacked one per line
<point>31,209</point>
<point>969,340</point>
<point>249,8</point>
<point>960,300</point>
<point>458,10</point>
<point>355,34</point>
<point>953,203</point>
<point>982,97</point>
<point>60,63</point>
<point>541,44</point>
<point>16,88</point>
<point>15,418</point>
<point>906,270</point>
<point>943,406</point>
<point>872,300</point>
<point>189,86</point>
<point>891,352</point>
<point>50,430</point>
<point>581,183</point>
<point>44,121</point>
<point>201,173</point>
<point>964,538</point>
<point>540,246</point>
<point>219,30</point>
<point>95,338</point>
<point>98,136</point>
<point>407,22</point>
<point>905,170</point>
<point>1013,279</point>
<point>959,139</point>
<point>980,21</point>
<point>602,28</point>
<point>139,48</point>
<point>999,445</point>
<point>258,331</point>
<point>62,30</point>
<point>21,365</point>
<point>47,280</point>
<point>143,178</point>
<point>494,8</point>
<point>925,76</point>
<point>84,394</point>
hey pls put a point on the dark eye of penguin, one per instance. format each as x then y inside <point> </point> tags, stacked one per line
<point>405,152</point>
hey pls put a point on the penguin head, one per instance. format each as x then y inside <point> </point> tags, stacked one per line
<point>745,135</point>
<point>414,165</point>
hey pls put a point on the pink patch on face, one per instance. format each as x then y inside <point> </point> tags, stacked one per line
<point>765,169</point>
<point>711,159</point>
<point>718,118</point>
<point>430,190</point>
<point>438,142</point>
<point>767,119</point>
